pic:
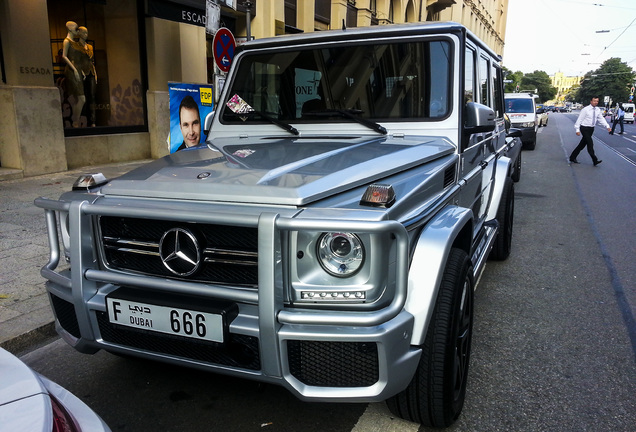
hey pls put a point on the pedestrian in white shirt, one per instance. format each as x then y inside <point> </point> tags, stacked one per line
<point>588,118</point>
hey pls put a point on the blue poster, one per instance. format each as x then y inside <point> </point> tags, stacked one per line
<point>189,106</point>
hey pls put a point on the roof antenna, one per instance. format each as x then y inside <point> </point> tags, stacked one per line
<point>344,26</point>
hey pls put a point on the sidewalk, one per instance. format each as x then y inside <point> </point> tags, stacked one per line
<point>25,314</point>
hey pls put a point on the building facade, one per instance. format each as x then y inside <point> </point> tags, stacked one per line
<point>117,107</point>
<point>564,84</point>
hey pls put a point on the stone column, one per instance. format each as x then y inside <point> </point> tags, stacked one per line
<point>305,15</point>
<point>30,107</point>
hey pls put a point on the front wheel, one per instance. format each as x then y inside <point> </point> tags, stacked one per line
<point>435,395</point>
<point>530,145</point>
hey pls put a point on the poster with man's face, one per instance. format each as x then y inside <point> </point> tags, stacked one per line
<point>189,106</point>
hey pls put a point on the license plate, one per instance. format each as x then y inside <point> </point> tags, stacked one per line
<point>163,319</point>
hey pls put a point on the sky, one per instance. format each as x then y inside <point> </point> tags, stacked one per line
<point>569,36</point>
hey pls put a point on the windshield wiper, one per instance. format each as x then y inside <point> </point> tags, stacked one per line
<point>350,114</point>
<point>272,120</point>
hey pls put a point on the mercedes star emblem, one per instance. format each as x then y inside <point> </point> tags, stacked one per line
<point>179,251</point>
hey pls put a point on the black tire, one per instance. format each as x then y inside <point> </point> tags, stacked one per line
<point>516,174</point>
<point>435,396</point>
<point>530,145</point>
<point>505,217</point>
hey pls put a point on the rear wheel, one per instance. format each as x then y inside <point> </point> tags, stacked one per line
<point>435,396</point>
<point>505,217</point>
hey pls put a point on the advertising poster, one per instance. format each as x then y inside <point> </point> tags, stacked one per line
<point>189,105</point>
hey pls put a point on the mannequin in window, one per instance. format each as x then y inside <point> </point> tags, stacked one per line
<point>74,79</point>
<point>87,71</point>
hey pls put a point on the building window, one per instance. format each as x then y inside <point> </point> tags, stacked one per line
<point>323,11</point>
<point>290,13</point>
<point>108,92</point>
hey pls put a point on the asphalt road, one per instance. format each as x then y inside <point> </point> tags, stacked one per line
<point>554,347</point>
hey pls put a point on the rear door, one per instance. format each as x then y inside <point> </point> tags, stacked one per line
<point>482,84</point>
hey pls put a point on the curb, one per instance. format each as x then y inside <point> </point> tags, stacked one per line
<point>31,339</point>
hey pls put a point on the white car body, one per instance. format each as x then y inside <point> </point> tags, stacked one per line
<point>26,401</point>
<point>629,112</point>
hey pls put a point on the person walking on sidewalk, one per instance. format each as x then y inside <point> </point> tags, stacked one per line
<point>589,116</point>
<point>620,116</point>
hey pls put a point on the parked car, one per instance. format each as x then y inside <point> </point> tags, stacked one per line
<point>542,117</point>
<point>329,236</point>
<point>521,107</point>
<point>30,402</point>
<point>629,112</point>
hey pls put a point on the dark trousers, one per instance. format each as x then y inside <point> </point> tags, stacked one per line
<point>617,120</point>
<point>586,140</point>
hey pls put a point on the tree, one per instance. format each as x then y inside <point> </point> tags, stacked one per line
<point>613,78</point>
<point>570,95</point>
<point>511,87</point>
<point>540,81</point>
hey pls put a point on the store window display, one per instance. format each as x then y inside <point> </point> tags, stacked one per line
<point>98,94</point>
<point>80,74</point>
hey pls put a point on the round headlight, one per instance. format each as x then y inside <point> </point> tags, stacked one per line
<point>340,254</point>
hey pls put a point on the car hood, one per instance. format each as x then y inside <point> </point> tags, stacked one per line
<point>277,170</point>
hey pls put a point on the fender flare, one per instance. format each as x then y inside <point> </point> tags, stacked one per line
<point>503,164</point>
<point>427,265</point>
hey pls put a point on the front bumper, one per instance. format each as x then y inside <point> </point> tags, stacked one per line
<point>319,355</point>
<point>528,134</point>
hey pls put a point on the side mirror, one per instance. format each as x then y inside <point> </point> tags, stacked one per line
<point>507,122</point>
<point>478,118</point>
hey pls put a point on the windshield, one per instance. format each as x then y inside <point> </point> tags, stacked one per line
<point>394,82</point>
<point>519,106</point>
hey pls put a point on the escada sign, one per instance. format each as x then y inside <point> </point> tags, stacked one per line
<point>174,11</point>
<point>32,70</point>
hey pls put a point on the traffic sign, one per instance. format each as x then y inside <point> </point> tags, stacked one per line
<point>223,46</point>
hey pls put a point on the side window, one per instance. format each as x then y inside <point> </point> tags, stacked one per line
<point>484,82</point>
<point>469,76</point>
<point>498,90</point>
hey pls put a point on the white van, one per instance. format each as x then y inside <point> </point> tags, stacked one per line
<point>522,110</point>
<point>629,112</point>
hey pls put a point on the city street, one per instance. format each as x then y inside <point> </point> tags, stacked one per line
<point>554,347</point>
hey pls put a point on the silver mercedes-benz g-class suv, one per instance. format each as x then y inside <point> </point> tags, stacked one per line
<point>328,236</point>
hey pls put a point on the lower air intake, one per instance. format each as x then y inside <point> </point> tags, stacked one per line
<point>333,364</point>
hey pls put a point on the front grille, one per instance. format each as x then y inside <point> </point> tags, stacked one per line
<point>238,351</point>
<point>333,364</point>
<point>65,313</point>
<point>229,254</point>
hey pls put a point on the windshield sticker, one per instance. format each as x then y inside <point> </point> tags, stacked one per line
<point>243,153</point>
<point>238,106</point>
